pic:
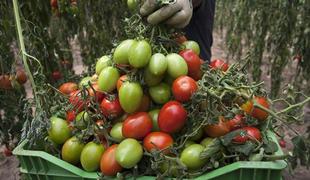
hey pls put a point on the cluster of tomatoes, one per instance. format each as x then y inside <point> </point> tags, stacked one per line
<point>7,82</point>
<point>144,113</point>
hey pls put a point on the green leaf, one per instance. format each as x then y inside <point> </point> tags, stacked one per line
<point>227,139</point>
<point>214,147</point>
<point>245,149</point>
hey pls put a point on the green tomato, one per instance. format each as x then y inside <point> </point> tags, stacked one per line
<point>71,150</point>
<point>102,63</point>
<point>206,141</point>
<point>130,96</point>
<point>158,64</point>
<point>151,79</point>
<point>116,132</point>
<point>84,82</point>
<point>160,94</point>
<point>176,65</point>
<point>82,120</point>
<point>128,153</point>
<point>190,157</point>
<point>91,155</point>
<point>59,130</point>
<point>140,54</point>
<point>193,45</point>
<point>154,116</point>
<point>198,135</point>
<point>169,166</point>
<point>132,4</point>
<point>108,78</point>
<point>189,143</point>
<point>121,52</point>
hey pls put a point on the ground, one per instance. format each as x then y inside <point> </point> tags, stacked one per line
<point>9,165</point>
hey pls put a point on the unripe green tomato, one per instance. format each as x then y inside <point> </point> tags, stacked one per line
<point>132,4</point>
<point>84,82</point>
<point>151,79</point>
<point>206,141</point>
<point>108,78</point>
<point>190,157</point>
<point>158,64</point>
<point>176,65</point>
<point>59,130</point>
<point>102,63</point>
<point>160,94</point>
<point>198,135</point>
<point>130,96</point>
<point>121,53</point>
<point>81,120</point>
<point>116,132</point>
<point>140,54</point>
<point>71,150</point>
<point>128,153</point>
<point>193,45</point>
<point>188,143</point>
<point>173,171</point>
<point>154,116</point>
<point>91,155</point>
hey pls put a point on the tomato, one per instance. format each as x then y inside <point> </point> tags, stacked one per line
<point>5,82</point>
<point>54,4</point>
<point>151,79</point>
<point>188,143</point>
<point>192,60</point>
<point>237,122</point>
<point>68,87</point>
<point>128,153</point>
<point>180,39</point>
<point>120,81</point>
<point>137,125</point>
<point>132,4</point>
<point>108,164</point>
<point>157,141</point>
<point>170,168</point>
<point>172,117</point>
<point>102,63</point>
<point>85,82</point>
<point>121,53</point>
<point>21,76</point>
<point>59,130</point>
<point>160,94</point>
<point>282,143</point>
<point>190,157</point>
<point>196,75</point>
<point>158,64</point>
<point>250,133</point>
<point>145,104</point>
<point>71,150</point>
<point>219,64</point>
<point>116,132</point>
<point>140,54</point>
<point>111,108</point>
<point>217,130</point>
<point>95,92</point>
<point>176,65</point>
<point>108,78</point>
<point>70,116</point>
<point>183,88</point>
<point>197,136</point>
<point>76,100</point>
<point>154,116</point>
<point>56,75</point>
<point>206,141</point>
<point>192,45</point>
<point>7,151</point>
<point>255,112</point>
<point>82,120</point>
<point>130,96</point>
<point>91,155</point>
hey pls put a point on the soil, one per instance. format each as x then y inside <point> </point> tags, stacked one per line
<point>9,165</point>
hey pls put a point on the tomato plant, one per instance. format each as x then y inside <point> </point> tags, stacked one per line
<point>250,133</point>
<point>68,87</point>
<point>160,93</point>
<point>130,96</point>
<point>137,125</point>
<point>256,112</point>
<point>108,164</point>
<point>157,141</point>
<point>183,88</point>
<point>217,130</point>
<point>219,64</point>
<point>111,107</point>
<point>91,155</point>
<point>71,150</point>
<point>128,153</point>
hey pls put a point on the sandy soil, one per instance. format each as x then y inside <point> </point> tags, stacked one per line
<point>9,165</point>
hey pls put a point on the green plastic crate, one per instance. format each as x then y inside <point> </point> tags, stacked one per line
<point>39,165</point>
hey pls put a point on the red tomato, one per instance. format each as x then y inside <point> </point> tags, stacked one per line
<point>5,82</point>
<point>192,60</point>
<point>282,143</point>
<point>76,101</point>
<point>108,164</point>
<point>21,76</point>
<point>137,125</point>
<point>111,107</point>
<point>172,117</point>
<point>251,133</point>
<point>7,152</point>
<point>54,4</point>
<point>196,75</point>
<point>68,87</point>
<point>99,95</point>
<point>237,122</point>
<point>56,75</point>
<point>120,81</point>
<point>255,112</point>
<point>183,88</point>
<point>217,130</point>
<point>70,116</point>
<point>157,141</point>
<point>219,64</point>
<point>145,104</point>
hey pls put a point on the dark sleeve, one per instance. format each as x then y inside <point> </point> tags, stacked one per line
<point>200,27</point>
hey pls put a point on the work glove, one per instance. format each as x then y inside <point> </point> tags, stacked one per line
<point>177,14</point>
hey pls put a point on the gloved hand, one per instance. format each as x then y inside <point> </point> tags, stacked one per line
<point>177,14</point>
